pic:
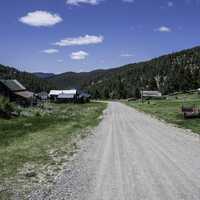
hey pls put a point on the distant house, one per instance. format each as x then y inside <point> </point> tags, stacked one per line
<point>63,95</point>
<point>84,97</point>
<point>68,96</point>
<point>16,92</point>
<point>43,96</point>
<point>150,94</point>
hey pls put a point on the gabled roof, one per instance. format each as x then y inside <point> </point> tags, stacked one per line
<point>58,92</point>
<point>85,95</point>
<point>25,94</point>
<point>13,85</point>
<point>65,96</point>
<point>151,93</point>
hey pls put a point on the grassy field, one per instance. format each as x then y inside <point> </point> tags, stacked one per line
<point>34,137</point>
<point>170,110</point>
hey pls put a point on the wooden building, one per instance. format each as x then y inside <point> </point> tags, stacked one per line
<point>16,92</point>
<point>65,96</point>
<point>145,94</point>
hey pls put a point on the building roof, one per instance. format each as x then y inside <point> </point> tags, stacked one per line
<point>85,95</point>
<point>25,94</point>
<point>151,93</point>
<point>13,85</point>
<point>58,92</point>
<point>42,94</point>
<point>65,96</point>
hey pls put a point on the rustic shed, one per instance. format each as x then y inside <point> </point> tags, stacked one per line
<point>151,94</point>
<point>84,97</point>
<point>64,95</point>
<point>43,96</point>
<point>16,92</point>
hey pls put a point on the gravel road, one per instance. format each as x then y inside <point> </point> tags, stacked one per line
<point>132,156</point>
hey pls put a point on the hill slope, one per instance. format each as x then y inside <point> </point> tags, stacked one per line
<point>43,75</point>
<point>29,80</point>
<point>174,72</point>
<point>169,73</point>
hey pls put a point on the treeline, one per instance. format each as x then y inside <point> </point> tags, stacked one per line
<point>29,80</point>
<point>170,73</point>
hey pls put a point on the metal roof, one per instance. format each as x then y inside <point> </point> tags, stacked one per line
<point>83,94</point>
<point>25,94</point>
<point>151,93</point>
<point>65,96</point>
<point>58,92</point>
<point>13,85</point>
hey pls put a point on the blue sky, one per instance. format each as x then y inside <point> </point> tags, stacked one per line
<point>83,35</point>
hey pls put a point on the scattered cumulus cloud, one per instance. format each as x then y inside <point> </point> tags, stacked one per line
<point>170,4</point>
<point>78,2</point>
<point>164,29</point>
<point>126,55</point>
<point>50,51</point>
<point>41,18</point>
<point>60,61</point>
<point>80,55</point>
<point>82,40</point>
<point>128,1</point>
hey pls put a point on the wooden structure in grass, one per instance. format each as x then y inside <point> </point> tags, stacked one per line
<point>16,92</point>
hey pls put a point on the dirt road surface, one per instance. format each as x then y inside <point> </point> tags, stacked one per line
<point>132,156</point>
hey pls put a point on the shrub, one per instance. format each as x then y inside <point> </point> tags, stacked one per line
<point>6,107</point>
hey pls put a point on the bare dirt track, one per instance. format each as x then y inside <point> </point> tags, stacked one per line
<point>131,156</point>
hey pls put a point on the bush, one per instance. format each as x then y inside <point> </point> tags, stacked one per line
<point>6,108</point>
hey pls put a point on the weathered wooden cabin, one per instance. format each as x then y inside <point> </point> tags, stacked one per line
<point>65,96</point>
<point>16,92</point>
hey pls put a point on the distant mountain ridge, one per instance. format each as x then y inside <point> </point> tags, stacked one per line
<point>169,73</point>
<point>29,80</point>
<point>43,75</point>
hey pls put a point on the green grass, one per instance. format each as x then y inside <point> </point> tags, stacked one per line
<point>29,139</point>
<point>170,110</point>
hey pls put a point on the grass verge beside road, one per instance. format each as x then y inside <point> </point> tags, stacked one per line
<point>42,135</point>
<point>170,110</point>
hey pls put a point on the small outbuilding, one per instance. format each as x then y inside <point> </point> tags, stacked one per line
<point>150,94</point>
<point>43,96</point>
<point>65,96</point>
<point>16,92</point>
<point>84,97</point>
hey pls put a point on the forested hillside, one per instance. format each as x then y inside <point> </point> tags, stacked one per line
<point>170,73</point>
<point>29,80</point>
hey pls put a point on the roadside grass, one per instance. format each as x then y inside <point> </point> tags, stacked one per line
<point>170,110</point>
<point>30,139</point>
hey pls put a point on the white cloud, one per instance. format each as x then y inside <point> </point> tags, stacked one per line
<point>41,18</point>
<point>163,29</point>
<point>60,61</point>
<point>170,4</point>
<point>80,55</point>
<point>78,2</point>
<point>128,1</point>
<point>126,55</point>
<point>82,40</point>
<point>50,51</point>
